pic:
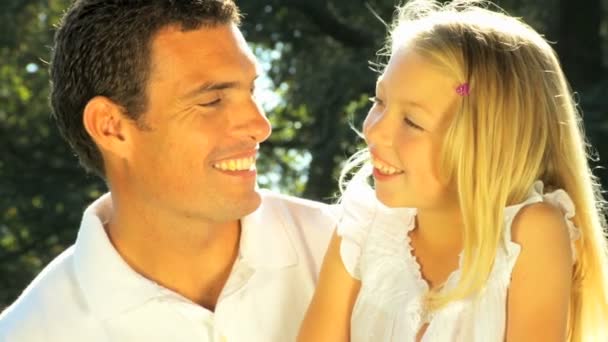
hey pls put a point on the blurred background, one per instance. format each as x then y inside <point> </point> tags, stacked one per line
<point>316,55</point>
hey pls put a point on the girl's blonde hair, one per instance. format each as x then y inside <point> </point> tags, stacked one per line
<point>518,124</point>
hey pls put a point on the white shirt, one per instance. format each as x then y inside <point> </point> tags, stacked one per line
<point>376,249</point>
<point>89,293</point>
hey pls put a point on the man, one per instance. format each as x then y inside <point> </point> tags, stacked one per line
<point>155,96</point>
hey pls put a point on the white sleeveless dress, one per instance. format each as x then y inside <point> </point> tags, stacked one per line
<point>376,249</point>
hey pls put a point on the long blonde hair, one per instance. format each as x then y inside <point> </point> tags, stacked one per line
<point>519,124</point>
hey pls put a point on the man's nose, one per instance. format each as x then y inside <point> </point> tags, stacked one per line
<point>255,124</point>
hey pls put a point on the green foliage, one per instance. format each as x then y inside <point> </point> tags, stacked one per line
<point>42,189</point>
<point>316,54</point>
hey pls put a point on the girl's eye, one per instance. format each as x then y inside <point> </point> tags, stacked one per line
<point>376,100</point>
<point>211,103</point>
<point>412,124</point>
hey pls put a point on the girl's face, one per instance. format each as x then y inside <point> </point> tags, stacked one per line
<point>404,129</point>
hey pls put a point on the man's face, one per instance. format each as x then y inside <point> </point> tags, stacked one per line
<point>196,156</point>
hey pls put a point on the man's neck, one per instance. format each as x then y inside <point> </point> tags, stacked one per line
<point>191,257</point>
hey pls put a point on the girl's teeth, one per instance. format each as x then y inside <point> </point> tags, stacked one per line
<point>389,170</point>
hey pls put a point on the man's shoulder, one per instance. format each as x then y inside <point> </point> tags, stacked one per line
<point>44,303</point>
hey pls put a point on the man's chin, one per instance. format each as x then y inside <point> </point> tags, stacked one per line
<point>244,204</point>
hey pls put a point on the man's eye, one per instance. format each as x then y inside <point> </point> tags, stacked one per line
<point>211,103</point>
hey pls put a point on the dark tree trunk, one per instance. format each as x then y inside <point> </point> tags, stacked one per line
<point>579,42</point>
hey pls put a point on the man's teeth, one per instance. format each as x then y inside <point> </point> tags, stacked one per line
<point>241,164</point>
<point>385,169</point>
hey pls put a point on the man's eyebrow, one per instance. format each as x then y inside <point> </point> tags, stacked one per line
<point>209,87</point>
<point>215,86</point>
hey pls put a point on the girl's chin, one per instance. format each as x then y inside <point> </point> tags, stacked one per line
<point>392,199</point>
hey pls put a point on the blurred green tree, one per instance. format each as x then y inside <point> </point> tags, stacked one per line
<point>42,189</point>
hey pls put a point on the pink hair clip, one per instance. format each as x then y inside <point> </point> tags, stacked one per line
<point>463,89</point>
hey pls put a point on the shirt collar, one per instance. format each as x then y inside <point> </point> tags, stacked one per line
<point>111,286</point>
<point>266,242</point>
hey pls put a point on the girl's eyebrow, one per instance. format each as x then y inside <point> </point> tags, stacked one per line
<point>405,102</point>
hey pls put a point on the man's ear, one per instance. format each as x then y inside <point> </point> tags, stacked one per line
<point>105,122</point>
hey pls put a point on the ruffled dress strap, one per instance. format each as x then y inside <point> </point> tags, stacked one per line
<point>558,198</point>
<point>534,196</point>
<point>562,200</point>
<point>490,313</point>
<point>359,209</point>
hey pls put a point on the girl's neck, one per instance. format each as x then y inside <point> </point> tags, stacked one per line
<point>439,226</point>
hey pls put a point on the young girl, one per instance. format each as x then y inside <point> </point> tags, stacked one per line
<point>474,125</point>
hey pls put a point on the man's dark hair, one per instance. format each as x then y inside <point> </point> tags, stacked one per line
<point>102,48</point>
